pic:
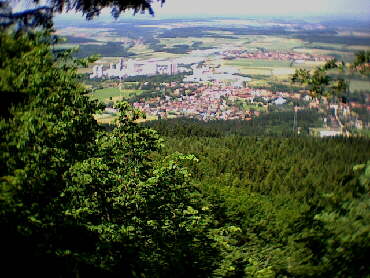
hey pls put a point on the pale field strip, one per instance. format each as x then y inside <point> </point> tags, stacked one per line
<point>216,23</point>
<point>252,41</point>
<point>111,119</point>
<point>354,33</point>
<point>81,32</point>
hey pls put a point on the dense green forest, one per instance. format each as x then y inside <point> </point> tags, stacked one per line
<point>295,204</point>
<point>111,49</point>
<point>287,206</point>
<point>77,200</point>
<point>267,124</point>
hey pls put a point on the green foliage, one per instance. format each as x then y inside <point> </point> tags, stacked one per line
<point>109,93</point>
<point>319,83</point>
<point>296,207</point>
<point>76,200</point>
<point>362,61</point>
<point>90,9</point>
<point>47,126</point>
<point>136,208</point>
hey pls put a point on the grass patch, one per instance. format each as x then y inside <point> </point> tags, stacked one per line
<point>256,71</point>
<point>274,43</point>
<point>261,67</point>
<point>256,63</point>
<point>253,107</point>
<point>283,71</point>
<point>206,41</point>
<point>115,94</point>
<point>105,118</point>
<point>359,85</point>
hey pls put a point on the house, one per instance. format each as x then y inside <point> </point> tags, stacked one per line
<point>280,101</point>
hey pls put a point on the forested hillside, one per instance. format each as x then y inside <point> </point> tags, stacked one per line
<point>295,204</point>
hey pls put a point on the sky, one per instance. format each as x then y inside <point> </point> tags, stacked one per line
<point>188,8</point>
<point>263,7</point>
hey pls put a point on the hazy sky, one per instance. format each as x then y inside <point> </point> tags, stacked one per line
<point>263,7</point>
<point>251,7</point>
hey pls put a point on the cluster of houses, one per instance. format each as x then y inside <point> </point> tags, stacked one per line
<point>222,99</point>
<point>212,102</point>
<point>217,101</point>
<point>275,55</point>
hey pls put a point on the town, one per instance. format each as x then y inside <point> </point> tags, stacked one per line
<point>217,101</point>
<point>208,91</point>
<point>295,57</point>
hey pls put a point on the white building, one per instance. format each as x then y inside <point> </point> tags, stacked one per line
<point>133,68</point>
<point>97,71</point>
<point>280,101</point>
<point>330,133</point>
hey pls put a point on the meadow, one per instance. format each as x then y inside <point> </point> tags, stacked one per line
<point>273,43</point>
<point>269,68</point>
<point>114,94</point>
<point>359,85</point>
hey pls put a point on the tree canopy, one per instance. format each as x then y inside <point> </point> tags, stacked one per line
<point>93,8</point>
<point>320,83</point>
<point>35,14</point>
<point>78,200</point>
<point>362,62</point>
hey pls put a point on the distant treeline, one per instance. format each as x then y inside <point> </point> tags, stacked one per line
<point>155,45</point>
<point>347,40</point>
<point>279,87</point>
<point>156,78</point>
<point>111,49</point>
<point>318,36</point>
<point>269,124</point>
<point>72,39</point>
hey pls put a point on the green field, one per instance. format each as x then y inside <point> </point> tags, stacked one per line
<point>105,118</point>
<point>114,94</point>
<point>206,41</point>
<point>261,67</point>
<point>255,107</point>
<point>359,85</point>
<point>274,43</point>
<point>257,63</point>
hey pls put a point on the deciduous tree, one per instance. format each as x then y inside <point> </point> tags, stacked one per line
<point>76,199</point>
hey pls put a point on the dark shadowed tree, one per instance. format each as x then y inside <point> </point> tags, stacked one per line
<point>36,14</point>
<point>320,83</point>
<point>362,62</point>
